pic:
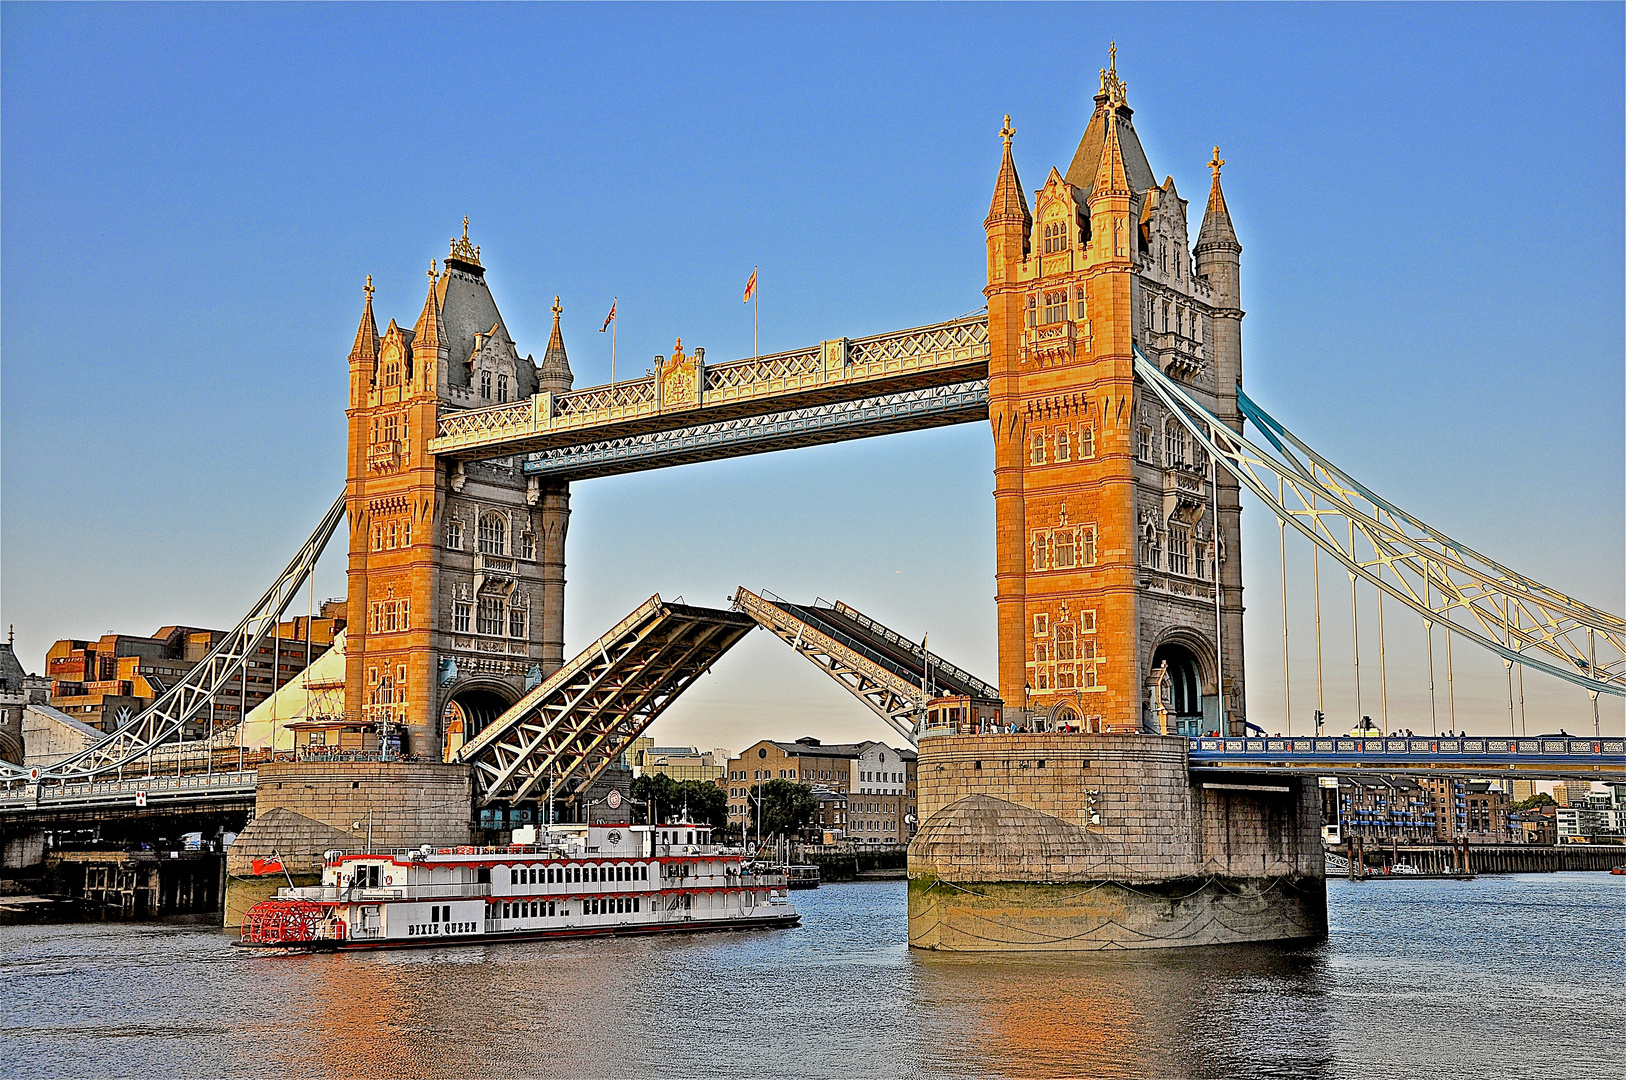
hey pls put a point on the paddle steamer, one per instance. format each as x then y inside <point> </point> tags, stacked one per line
<point>572,881</point>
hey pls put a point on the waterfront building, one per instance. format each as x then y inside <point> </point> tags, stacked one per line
<point>106,682</point>
<point>1385,808</point>
<point>1537,825</point>
<point>681,763</point>
<point>1598,818</point>
<point>830,817</point>
<point>871,774</point>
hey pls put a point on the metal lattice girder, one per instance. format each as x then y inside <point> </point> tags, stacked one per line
<point>1447,583</point>
<point>888,687</point>
<point>908,410</point>
<point>190,698</point>
<point>569,729</point>
<point>941,354</point>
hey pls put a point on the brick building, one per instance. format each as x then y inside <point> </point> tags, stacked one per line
<point>107,681</point>
<point>1385,808</point>
<point>1472,810</point>
<point>871,775</point>
<point>681,763</point>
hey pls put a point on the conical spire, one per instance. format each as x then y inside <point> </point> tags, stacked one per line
<point>427,333</point>
<point>366,346</point>
<point>1010,202</point>
<point>555,374</point>
<point>1216,228</point>
<point>1110,176</point>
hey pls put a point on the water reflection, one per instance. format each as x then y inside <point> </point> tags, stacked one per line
<point>1493,976</point>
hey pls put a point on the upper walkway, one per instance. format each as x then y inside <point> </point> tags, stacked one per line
<point>922,377</point>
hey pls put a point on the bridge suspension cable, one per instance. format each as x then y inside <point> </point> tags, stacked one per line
<point>167,717</point>
<point>1510,614</point>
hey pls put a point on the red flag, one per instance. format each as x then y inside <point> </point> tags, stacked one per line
<point>751,286</point>
<point>266,866</point>
<point>608,319</point>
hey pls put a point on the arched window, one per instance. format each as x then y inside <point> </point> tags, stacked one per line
<point>1055,237</point>
<point>1174,444</point>
<point>392,373</point>
<point>516,622</point>
<point>493,534</point>
<point>490,620</point>
<point>454,534</point>
<point>485,385</point>
<point>502,388</point>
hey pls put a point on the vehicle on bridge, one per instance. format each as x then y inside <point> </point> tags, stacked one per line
<point>578,881</point>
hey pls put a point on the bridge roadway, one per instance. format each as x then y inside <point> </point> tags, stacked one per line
<point>1553,759</point>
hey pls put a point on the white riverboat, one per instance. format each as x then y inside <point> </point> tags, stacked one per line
<point>572,881</point>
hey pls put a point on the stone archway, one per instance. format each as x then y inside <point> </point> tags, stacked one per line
<point>469,709</point>
<point>1184,691</point>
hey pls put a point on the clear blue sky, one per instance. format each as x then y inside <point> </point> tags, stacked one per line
<point>1430,201</point>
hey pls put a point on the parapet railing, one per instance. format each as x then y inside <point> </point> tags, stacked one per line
<point>1612,751</point>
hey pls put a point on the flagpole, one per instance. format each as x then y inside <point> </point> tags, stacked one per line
<point>613,328</point>
<point>756,315</point>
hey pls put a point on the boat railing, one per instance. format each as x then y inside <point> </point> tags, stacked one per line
<point>381,894</point>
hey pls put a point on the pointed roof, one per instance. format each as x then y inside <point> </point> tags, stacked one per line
<point>1009,201</point>
<point>1217,228</point>
<point>1111,100</point>
<point>555,374</point>
<point>366,346</point>
<point>427,332</point>
<point>1111,177</point>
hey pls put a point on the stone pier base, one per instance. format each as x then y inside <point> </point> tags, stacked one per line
<point>1054,841</point>
<point>1078,916</point>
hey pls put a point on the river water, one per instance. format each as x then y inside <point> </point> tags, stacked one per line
<point>1501,976</point>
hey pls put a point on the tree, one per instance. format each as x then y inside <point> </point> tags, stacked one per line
<point>1540,798</point>
<point>666,798</point>
<point>787,807</point>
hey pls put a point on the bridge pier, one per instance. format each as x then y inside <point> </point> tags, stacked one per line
<point>1058,842</point>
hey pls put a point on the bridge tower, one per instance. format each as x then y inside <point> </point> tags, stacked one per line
<point>456,574</point>
<point>1105,511</point>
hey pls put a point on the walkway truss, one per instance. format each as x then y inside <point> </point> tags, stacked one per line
<point>188,701</point>
<point>1445,582</point>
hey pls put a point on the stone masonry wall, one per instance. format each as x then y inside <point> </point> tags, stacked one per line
<point>412,803</point>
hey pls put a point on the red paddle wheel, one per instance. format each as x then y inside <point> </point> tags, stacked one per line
<point>280,922</point>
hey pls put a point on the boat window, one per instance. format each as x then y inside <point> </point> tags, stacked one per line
<point>550,908</point>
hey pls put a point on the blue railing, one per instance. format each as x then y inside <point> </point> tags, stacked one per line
<point>1412,750</point>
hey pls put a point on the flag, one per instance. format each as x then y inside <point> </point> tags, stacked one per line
<point>751,286</point>
<point>272,865</point>
<point>608,319</point>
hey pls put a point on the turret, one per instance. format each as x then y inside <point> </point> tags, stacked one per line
<point>1219,259</point>
<point>364,353</point>
<point>555,375</point>
<point>1009,225</point>
<point>429,346</point>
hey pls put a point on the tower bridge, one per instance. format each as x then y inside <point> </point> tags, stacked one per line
<point>1108,366</point>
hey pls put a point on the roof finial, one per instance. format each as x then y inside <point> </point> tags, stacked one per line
<point>11,634</point>
<point>462,250</point>
<point>1007,131</point>
<point>1216,163</point>
<point>368,288</point>
<point>1114,89</point>
<point>433,275</point>
<point>1112,52</point>
<point>556,309</point>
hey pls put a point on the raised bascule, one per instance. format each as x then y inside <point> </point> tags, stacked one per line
<point>1107,790</point>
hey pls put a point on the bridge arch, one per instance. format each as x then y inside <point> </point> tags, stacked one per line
<point>1193,689</point>
<point>470,705</point>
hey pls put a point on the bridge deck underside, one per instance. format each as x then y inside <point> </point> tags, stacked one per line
<point>571,727</point>
<point>910,410</point>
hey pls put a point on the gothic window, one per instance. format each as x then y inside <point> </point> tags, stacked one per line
<point>460,618</point>
<point>1086,622</point>
<point>1064,445</point>
<point>389,615</point>
<point>1041,625</point>
<point>1179,551</point>
<point>1040,672</point>
<point>1066,655</point>
<point>485,385</point>
<point>1200,554</point>
<point>406,620</point>
<point>490,619</point>
<point>1174,444</point>
<point>527,546</point>
<point>1196,327</point>
<point>1086,546</point>
<point>1039,560</point>
<point>1163,255</point>
<point>1033,311</point>
<point>1148,312</point>
<point>392,427</point>
<point>502,388</point>
<point>516,622</point>
<point>395,535</point>
<point>1055,237</point>
<point>1082,315</point>
<point>1180,321</point>
<point>1037,456</point>
<point>1065,549</point>
<point>1144,449</point>
<point>1055,306</point>
<point>493,534</point>
<point>1150,553</point>
<point>1086,442</point>
<point>392,372</point>
<point>454,534</point>
<point>1165,316</point>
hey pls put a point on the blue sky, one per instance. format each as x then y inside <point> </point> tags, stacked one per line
<point>1429,198</point>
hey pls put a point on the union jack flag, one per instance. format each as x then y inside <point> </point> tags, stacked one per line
<point>608,319</point>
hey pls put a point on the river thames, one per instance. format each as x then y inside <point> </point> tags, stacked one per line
<point>1509,976</point>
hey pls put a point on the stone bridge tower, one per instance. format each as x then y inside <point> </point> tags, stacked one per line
<point>1110,534</point>
<point>456,575</point>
